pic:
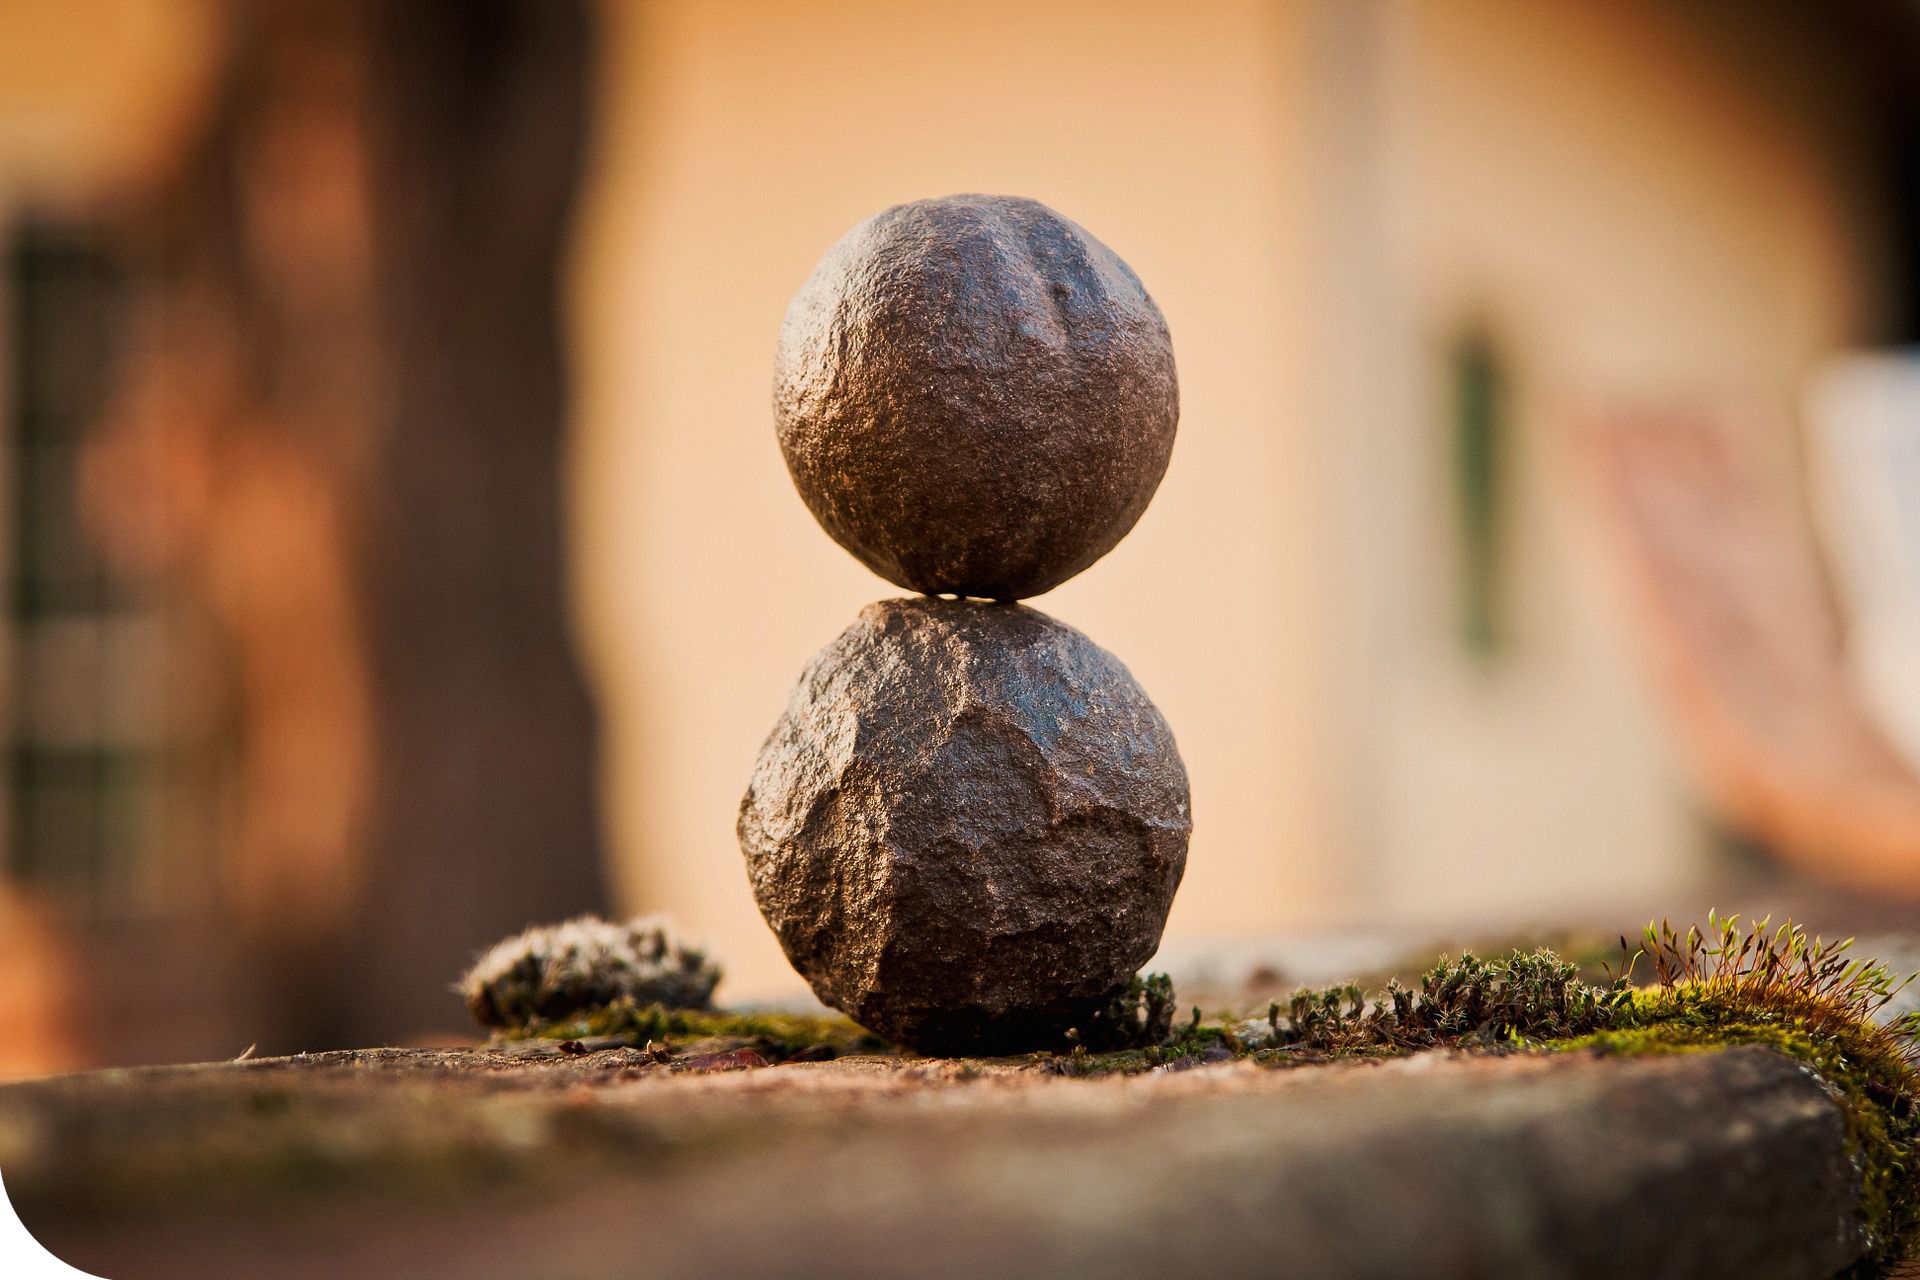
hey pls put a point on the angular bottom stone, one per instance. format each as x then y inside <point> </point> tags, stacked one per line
<point>967,827</point>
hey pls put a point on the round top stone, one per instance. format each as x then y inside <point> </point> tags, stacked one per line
<point>974,396</point>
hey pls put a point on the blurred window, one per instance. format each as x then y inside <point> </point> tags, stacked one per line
<point>1479,448</point>
<point>84,647</point>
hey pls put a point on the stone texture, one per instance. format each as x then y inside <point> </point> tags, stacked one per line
<point>475,1166</point>
<point>968,826</point>
<point>975,396</point>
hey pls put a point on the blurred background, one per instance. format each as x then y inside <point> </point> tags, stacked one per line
<point>396,551</point>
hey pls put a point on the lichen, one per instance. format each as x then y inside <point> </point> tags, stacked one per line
<point>554,971</point>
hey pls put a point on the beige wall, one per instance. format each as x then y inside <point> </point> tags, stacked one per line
<point>1646,209</point>
<point>1314,192</point>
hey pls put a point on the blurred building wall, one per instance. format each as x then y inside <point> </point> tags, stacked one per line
<point>1616,201</point>
<point>1627,199</point>
<point>1645,204</point>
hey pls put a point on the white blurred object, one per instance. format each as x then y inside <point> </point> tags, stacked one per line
<point>1864,414</point>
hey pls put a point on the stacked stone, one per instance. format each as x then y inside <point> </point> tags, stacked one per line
<point>969,824</point>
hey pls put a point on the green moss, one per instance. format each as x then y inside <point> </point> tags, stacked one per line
<point>1530,995</point>
<point>1710,989</point>
<point>1810,999</point>
<point>1864,1066</point>
<point>1139,1016</point>
<point>1190,1044</point>
<point>1881,1138</point>
<point>781,1037</point>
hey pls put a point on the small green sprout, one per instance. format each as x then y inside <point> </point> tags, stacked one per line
<point>1138,1016</point>
<point>1531,995</point>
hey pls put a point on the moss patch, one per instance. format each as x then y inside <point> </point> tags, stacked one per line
<point>1707,988</point>
<point>779,1037</point>
<point>1865,1067</point>
<point>1880,1127</point>
<point>1530,995</point>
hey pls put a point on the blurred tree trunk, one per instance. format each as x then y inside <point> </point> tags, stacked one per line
<point>484,816</point>
<point>356,395</point>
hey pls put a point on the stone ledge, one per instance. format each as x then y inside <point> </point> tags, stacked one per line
<point>478,1164</point>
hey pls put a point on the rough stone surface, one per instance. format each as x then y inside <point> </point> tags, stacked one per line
<point>968,825</point>
<point>478,1166</point>
<point>975,396</point>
